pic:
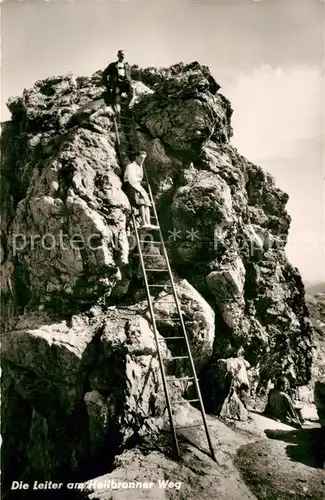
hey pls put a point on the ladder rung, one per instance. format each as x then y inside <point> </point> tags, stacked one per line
<point>169,318</point>
<point>189,426</point>
<point>166,320</point>
<point>126,128</point>
<point>176,379</point>
<point>149,255</point>
<point>151,242</point>
<point>181,401</point>
<point>176,357</point>
<point>175,320</point>
<point>173,338</point>
<point>169,302</point>
<point>159,286</point>
<point>157,270</point>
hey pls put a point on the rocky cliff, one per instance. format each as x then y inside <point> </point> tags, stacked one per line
<point>315,298</point>
<point>316,305</point>
<point>79,357</point>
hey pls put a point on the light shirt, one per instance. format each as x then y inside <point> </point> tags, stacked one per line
<point>121,69</point>
<point>133,173</point>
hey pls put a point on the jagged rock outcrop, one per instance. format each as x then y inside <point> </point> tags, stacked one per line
<point>198,316</point>
<point>316,305</point>
<point>231,227</point>
<point>68,247</point>
<point>225,388</point>
<point>315,299</point>
<point>86,387</point>
<point>69,222</point>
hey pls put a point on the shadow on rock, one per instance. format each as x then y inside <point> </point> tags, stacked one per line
<point>84,113</point>
<point>303,444</point>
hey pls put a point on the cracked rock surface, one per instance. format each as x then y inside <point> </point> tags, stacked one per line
<point>79,354</point>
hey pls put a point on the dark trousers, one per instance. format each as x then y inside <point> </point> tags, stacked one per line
<point>113,93</point>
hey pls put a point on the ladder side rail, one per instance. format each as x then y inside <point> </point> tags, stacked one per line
<point>135,130</point>
<point>178,306</point>
<point>117,133</point>
<point>178,309</point>
<point>152,314</point>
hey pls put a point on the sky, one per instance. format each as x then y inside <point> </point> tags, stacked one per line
<point>267,55</point>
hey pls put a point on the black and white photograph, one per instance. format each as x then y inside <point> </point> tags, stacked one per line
<point>162,249</point>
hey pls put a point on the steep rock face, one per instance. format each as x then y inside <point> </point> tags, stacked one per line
<point>225,387</point>
<point>67,240</point>
<point>7,266</point>
<point>316,305</point>
<point>86,387</point>
<point>165,113</point>
<point>67,236</point>
<point>198,316</point>
<point>227,226</point>
<point>315,297</point>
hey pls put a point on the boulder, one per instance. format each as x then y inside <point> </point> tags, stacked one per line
<point>198,318</point>
<point>225,387</point>
<point>86,386</point>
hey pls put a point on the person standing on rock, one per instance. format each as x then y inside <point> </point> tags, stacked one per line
<point>117,80</point>
<point>134,190</point>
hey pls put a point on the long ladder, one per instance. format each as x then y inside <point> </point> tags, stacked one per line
<point>128,123</point>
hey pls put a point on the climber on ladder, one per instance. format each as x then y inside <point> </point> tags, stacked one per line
<point>134,190</point>
<point>117,80</point>
<point>140,198</point>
